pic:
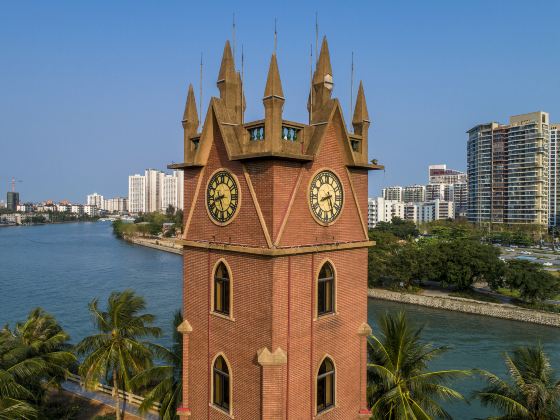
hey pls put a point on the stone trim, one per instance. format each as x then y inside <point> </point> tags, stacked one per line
<point>193,203</point>
<point>266,358</point>
<point>357,203</point>
<point>470,306</point>
<point>277,252</point>
<point>364,330</point>
<point>184,327</point>
<point>257,206</point>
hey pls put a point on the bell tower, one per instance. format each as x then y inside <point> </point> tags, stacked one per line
<point>275,255</point>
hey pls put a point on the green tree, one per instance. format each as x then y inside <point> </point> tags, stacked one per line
<point>34,356</point>
<point>117,352</point>
<point>532,392</point>
<point>531,280</point>
<point>170,211</point>
<point>403,229</point>
<point>399,383</point>
<point>164,382</point>
<point>461,262</point>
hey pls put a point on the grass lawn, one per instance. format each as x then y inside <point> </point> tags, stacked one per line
<point>507,292</point>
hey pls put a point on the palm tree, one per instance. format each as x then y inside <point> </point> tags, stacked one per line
<point>34,355</point>
<point>118,352</point>
<point>164,381</point>
<point>533,392</point>
<point>399,384</point>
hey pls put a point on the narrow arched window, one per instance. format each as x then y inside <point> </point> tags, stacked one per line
<point>325,290</point>
<point>325,385</point>
<point>220,397</point>
<point>222,290</point>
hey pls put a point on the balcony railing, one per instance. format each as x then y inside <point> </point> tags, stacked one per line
<point>290,133</point>
<point>256,133</point>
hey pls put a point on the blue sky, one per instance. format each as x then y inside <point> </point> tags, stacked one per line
<point>91,92</point>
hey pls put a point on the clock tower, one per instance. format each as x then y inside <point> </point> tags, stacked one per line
<point>275,255</point>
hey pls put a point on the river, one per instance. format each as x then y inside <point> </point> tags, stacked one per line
<point>62,267</point>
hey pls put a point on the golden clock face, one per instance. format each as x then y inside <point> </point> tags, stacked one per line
<point>222,196</point>
<point>326,197</point>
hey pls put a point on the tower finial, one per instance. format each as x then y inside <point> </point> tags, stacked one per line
<point>361,115</point>
<point>190,116</point>
<point>322,81</point>
<point>273,104</point>
<point>227,67</point>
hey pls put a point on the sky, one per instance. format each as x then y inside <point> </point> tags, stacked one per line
<point>91,92</point>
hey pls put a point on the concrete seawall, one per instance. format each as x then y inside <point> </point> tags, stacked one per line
<point>470,306</point>
<point>167,245</point>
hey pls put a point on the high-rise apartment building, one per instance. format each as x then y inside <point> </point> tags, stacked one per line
<point>153,189</point>
<point>508,171</point>
<point>414,194</point>
<point>137,194</point>
<point>439,174</point>
<point>554,176</point>
<point>393,193</point>
<point>12,200</point>
<point>95,200</point>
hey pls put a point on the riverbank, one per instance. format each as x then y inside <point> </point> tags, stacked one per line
<point>163,244</point>
<point>457,304</point>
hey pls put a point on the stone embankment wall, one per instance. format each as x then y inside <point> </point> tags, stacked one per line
<point>470,306</point>
<point>168,245</point>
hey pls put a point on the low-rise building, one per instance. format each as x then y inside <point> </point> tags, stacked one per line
<point>381,210</point>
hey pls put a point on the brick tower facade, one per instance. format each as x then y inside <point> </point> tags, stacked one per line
<point>275,255</point>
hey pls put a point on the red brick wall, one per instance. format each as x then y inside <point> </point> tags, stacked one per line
<point>274,298</point>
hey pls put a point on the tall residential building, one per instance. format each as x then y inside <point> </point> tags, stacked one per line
<point>12,200</point>
<point>554,176</point>
<point>414,194</point>
<point>153,179</point>
<point>393,193</point>
<point>172,190</point>
<point>458,193</point>
<point>95,200</point>
<point>508,173</point>
<point>439,174</point>
<point>137,194</point>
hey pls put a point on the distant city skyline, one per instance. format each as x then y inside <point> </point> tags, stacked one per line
<point>94,91</point>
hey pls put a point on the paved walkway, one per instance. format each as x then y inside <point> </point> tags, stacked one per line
<point>105,399</point>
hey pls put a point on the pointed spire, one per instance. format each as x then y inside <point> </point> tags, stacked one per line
<point>360,111</point>
<point>227,68</point>
<point>190,116</point>
<point>323,63</point>
<point>273,82</point>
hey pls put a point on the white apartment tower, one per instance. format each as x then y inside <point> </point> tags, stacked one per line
<point>95,200</point>
<point>137,194</point>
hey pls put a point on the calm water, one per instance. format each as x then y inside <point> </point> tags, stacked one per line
<point>62,267</point>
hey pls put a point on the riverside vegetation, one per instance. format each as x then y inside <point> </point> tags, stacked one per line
<point>151,224</point>
<point>36,357</point>
<point>457,255</point>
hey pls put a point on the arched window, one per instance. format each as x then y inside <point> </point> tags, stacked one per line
<point>222,290</point>
<point>325,290</point>
<point>325,385</point>
<point>220,397</point>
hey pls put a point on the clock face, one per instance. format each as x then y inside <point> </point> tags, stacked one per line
<point>326,197</point>
<point>222,197</point>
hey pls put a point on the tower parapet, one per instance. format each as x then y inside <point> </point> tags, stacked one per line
<point>274,137</point>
